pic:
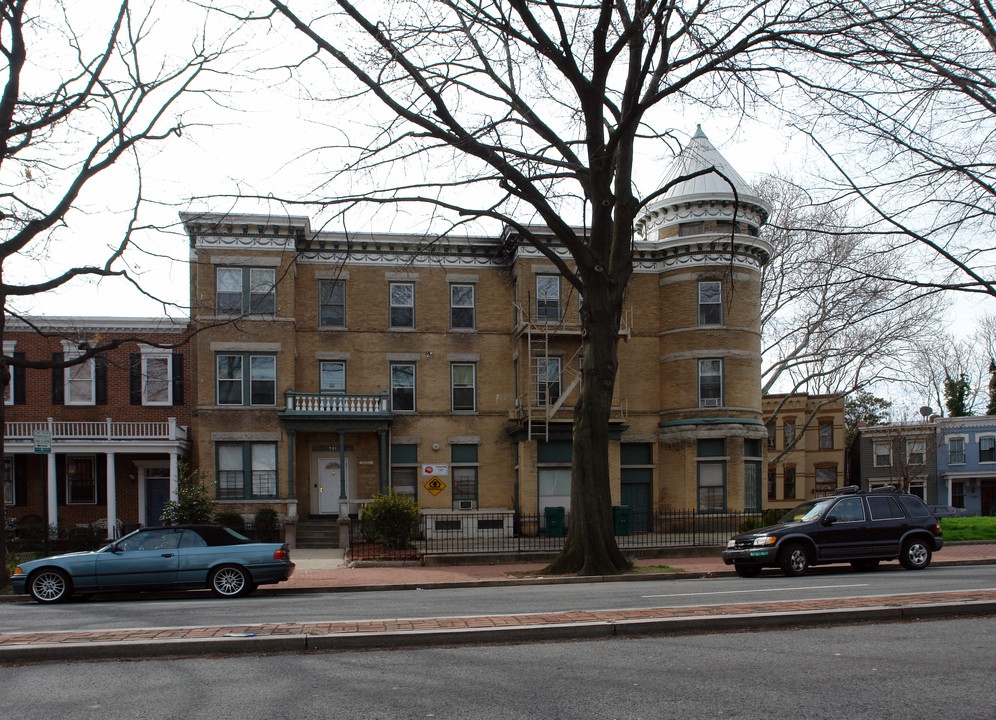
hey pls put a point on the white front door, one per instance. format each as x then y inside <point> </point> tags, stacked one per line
<point>329,474</point>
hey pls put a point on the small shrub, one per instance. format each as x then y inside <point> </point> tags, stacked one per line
<point>392,519</point>
<point>772,516</point>
<point>85,537</point>
<point>265,526</point>
<point>232,520</point>
<point>751,524</point>
<point>192,504</point>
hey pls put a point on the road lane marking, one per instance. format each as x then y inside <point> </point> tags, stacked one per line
<point>778,589</point>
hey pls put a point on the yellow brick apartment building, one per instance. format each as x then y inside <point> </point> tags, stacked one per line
<point>330,367</point>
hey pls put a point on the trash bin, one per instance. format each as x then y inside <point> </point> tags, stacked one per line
<point>554,521</point>
<point>622,516</point>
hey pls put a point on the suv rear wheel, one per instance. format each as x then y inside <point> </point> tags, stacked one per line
<point>915,555</point>
<point>794,560</point>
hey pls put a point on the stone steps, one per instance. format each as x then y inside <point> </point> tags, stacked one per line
<point>317,534</point>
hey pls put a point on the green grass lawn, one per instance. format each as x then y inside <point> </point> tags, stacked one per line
<point>968,528</point>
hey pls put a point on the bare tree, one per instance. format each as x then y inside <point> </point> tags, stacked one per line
<point>540,113</point>
<point>905,114</point>
<point>111,94</point>
<point>832,320</point>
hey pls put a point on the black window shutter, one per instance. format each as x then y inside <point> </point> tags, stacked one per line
<point>20,385</point>
<point>58,383</point>
<point>60,480</point>
<point>100,379</point>
<point>20,479</point>
<point>101,475</point>
<point>135,378</point>
<point>177,379</point>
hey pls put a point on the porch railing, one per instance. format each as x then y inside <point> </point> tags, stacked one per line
<point>328,404</point>
<point>99,430</point>
<point>509,532</point>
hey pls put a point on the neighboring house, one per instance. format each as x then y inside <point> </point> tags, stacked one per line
<point>904,455</point>
<point>812,428</point>
<point>966,463</point>
<point>333,366</point>
<point>116,425</point>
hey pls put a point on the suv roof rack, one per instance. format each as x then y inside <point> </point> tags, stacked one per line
<point>847,490</point>
<point>884,488</point>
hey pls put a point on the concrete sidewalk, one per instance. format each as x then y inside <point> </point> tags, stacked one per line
<point>324,571</point>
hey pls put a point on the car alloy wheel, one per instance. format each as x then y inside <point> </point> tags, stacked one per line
<point>50,586</point>
<point>229,581</point>
<point>915,555</point>
<point>794,560</point>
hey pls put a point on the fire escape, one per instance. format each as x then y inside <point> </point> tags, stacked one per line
<point>551,342</point>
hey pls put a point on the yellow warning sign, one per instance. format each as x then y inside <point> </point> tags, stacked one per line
<point>434,485</point>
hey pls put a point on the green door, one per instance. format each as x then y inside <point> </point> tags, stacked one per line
<point>635,491</point>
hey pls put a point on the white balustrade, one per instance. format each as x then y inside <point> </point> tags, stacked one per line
<point>318,403</point>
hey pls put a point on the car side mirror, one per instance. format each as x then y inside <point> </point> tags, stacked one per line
<point>116,548</point>
<point>829,520</point>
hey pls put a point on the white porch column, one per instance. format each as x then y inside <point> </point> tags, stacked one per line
<point>174,477</point>
<point>112,499</point>
<point>53,496</point>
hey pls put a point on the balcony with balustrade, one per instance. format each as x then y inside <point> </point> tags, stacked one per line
<point>326,410</point>
<point>134,435</point>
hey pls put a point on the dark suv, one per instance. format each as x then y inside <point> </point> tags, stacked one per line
<point>862,528</point>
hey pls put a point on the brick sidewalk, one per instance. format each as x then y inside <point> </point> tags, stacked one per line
<point>794,607</point>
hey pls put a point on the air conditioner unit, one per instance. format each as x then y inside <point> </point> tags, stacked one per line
<point>466,504</point>
<point>710,402</point>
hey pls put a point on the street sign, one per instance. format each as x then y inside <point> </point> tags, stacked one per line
<point>43,441</point>
<point>434,485</point>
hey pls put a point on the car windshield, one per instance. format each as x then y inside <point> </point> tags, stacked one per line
<point>807,511</point>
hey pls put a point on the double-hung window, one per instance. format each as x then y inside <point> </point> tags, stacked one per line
<point>956,451</point>
<point>332,303</point>
<point>403,387</point>
<point>464,467</point>
<point>80,383</point>
<point>157,379</point>
<point>711,475</point>
<point>547,381</point>
<point>245,290</point>
<point>246,470</point>
<point>548,298</point>
<point>826,435</point>
<point>462,307</point>
<point>882,453</point>
<point>987,449</point>
<point>710,383</point>
<point>915,452</point>
<point>788,433</point>
<point>333,377</point>
<point>710,303</point>
<point>247,379</point>
<point>81,479</point>
<point>8,481</point>
<point>402,311</point>
<point>463,394</point>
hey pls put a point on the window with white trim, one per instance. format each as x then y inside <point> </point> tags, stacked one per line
<point>463,459</point>
<point>157,379</point>
<point>463,387</point>
<point>987,449</point>
<point>81,383</point>
<point>710,383</point>
<point>710,303</point>
<point>882,453</point>
<point>956,451</point>
<point>245,291</point>
<point>246,379</point>
<point>332,377</point>
<point>548,370</point>
<point>548,298</point>
<point>462,307</point>
<point>915,452</point>
<point>402,310</point>
<point>826,435</point>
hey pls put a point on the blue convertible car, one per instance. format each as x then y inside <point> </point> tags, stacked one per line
<point>159,558</point>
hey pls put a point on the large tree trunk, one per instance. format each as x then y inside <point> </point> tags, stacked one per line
<point>590,548</point>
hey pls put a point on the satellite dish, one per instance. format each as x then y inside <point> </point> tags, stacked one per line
<point>926,411</point>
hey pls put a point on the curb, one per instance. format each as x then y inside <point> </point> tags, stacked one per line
<point>14,654</point>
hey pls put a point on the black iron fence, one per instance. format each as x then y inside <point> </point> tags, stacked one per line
<point>510,532</point>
